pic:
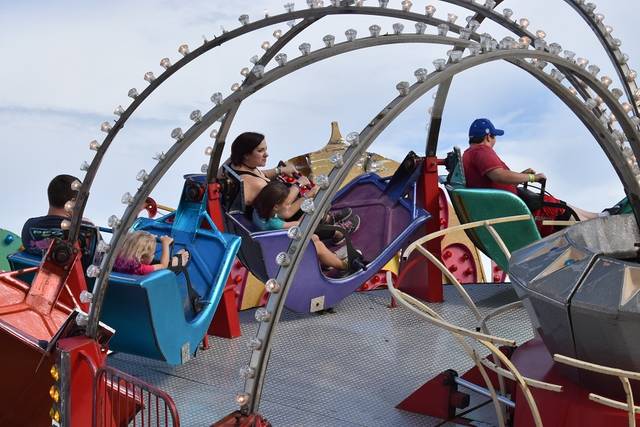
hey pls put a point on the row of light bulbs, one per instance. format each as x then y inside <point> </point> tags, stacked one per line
<point>351,34</point>
<point>403,87</point>
<point>283,259</point>
<point>486,43</point>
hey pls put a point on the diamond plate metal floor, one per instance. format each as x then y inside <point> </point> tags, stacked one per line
<point>348,368</point>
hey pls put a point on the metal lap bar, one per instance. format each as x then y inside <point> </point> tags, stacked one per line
<point>623,376</point>
<point>120,399</point>
<point>559,223</point>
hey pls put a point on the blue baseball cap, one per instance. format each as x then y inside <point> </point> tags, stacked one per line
<point>481,127</point>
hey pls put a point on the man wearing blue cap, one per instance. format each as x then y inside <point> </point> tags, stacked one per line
<point>483,168</point>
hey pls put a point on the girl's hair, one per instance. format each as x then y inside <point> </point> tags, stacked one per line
<point>138,244</point>
<point>244,144</point>
<point>272,194</point>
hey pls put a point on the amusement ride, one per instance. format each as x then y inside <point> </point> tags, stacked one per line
<point>76,335</point>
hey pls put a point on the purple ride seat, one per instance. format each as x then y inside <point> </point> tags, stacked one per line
<point>394,222</point>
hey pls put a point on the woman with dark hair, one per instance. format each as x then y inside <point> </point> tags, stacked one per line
<point>249,154</point>
<point>267,208</point>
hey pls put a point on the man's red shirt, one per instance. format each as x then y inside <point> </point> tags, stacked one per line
<point>480,159</point>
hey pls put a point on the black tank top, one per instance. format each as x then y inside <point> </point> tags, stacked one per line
<point>239,172</point>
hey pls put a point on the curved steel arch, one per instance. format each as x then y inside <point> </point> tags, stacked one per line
<point>229,104</point>
<point>160,169</point>
<point>598,28</point>
<point>315,14</point>
<point>285,274</point>
<point>615,54</point>
<point>601,133</point>
<point>213,115</point>
<point>312,14</point>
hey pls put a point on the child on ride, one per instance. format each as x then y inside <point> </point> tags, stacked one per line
<point>267,206</point>
<point>138,250</point>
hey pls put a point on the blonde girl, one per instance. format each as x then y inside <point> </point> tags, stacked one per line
<point>137,253</point>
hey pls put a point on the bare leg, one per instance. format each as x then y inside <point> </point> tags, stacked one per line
<point>582,214</point>
<point>327,257</point>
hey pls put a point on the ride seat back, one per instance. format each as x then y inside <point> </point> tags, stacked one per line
<point>453,163</point>
<point>475,204</point>
<point>89,237</point>
<point>238,221</point>
<point>232,191</point>
<point>404,177</point>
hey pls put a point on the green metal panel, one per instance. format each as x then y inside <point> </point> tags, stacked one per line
<point>480,204</point>
<point>9,243</point>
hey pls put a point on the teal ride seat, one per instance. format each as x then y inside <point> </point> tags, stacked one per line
<point>475,204</point>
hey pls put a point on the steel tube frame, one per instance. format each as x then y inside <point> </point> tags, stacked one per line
<point>375,127</point>
<point>285,274</point>
<point>217,111</point>
<point>230,104</point>
<point>630,86</point>
<point>315,13</point>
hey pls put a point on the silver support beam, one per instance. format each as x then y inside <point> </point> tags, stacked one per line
<point>229,104</point>
<point>260,356</point>
<point>315,13</point>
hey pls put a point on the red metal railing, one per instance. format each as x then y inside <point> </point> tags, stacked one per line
<point>122,400</point>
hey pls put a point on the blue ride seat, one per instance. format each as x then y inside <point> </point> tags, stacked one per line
<point>152,314</point>
<point>390,210</point>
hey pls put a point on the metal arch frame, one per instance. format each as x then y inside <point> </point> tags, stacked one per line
<point>192,134</point>
<point>315,13</point>
<point>229,104</point>
<point>614,53</point>
<point>442,93</point>
<point>178,148</point>
<point>285,274</point>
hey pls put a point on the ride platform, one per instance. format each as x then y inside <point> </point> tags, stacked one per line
<point>348,368</point>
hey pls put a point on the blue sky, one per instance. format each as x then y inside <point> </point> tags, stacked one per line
<point>68,64</point>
